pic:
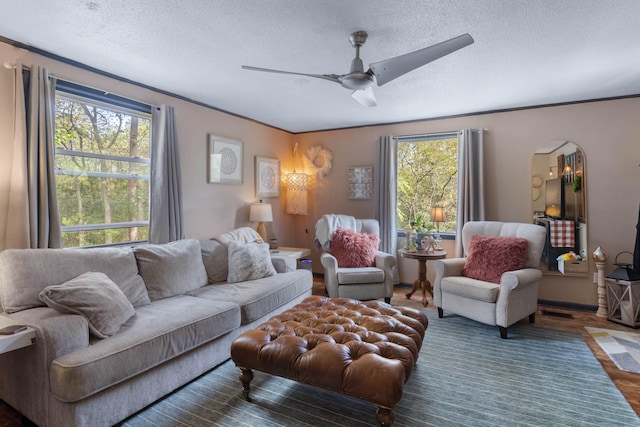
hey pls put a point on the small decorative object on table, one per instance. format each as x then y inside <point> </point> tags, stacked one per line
<point>412,237</point>
<point>428,243</point>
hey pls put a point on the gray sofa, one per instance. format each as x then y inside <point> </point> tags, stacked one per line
<point>185,316</point>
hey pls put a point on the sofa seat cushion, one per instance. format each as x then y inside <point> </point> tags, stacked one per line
<point>356,276</point>
<point>160,331</point>
<point>470,288</point>
<point>259,297</point>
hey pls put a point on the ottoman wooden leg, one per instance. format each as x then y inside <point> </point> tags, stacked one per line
<point>384,416</point>
<point>246,375</point>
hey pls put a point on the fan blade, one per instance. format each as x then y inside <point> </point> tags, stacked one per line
<point>365,97</point>
<point>392,68</point>
<point>330,77</point>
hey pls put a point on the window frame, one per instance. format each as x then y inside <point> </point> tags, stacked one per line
<point>446,235</point>
<point>78,93</point>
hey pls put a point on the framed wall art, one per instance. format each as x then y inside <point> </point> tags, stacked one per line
<point>360,182</point>
<point>225,160</point>
<point>267,174</point>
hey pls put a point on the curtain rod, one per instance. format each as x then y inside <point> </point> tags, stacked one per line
<point>9,66</point>
<point>437,134</point>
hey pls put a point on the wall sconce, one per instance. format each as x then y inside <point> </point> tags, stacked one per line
<point>261,212</point>
<point>297,187</point>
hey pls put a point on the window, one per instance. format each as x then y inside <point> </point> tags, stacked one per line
<point>427,177</point>
<point>102,167</point>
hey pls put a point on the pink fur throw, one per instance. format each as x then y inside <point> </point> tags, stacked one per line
<point>353,249</point>
<point>490,256</point>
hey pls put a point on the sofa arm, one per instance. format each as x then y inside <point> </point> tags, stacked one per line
<point>330,265</point>
<point>284,264</point>
<point>60,333</point>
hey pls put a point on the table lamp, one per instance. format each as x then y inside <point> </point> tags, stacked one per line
<point>261,212</point>
<point>437,216</point>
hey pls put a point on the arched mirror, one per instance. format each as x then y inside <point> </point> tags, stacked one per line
<point>558,194</point>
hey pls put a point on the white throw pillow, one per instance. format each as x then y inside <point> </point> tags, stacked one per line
<point>249,262</point>
<point>94,296</point>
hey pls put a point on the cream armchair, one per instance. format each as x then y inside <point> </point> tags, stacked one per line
<point>362,283</point>
<point>501,304</point>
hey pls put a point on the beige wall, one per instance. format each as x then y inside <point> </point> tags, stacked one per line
<point>209,209</point>
<point>607,132</point>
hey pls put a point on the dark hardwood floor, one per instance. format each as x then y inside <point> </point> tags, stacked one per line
<point>627,383</point>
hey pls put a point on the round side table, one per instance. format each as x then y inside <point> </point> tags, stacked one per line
<point>422,281</point>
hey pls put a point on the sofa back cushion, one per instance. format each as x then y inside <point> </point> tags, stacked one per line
<point>172,268</point>
<point>249,261</point>
<point>24,273</point>
<point>215,258</point>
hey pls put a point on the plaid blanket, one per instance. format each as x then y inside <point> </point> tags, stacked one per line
<point>562,234</point>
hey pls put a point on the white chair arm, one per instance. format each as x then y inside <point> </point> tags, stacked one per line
<point>448,267</point>
<point>518,295</point>
<point>385,261</point>
<point>512,279</point>
<point>330,265</point>
<point>445,268</point>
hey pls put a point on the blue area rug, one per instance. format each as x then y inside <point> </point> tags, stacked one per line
<point>466,376</point>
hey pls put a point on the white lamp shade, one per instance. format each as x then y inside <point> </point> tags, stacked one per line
<point>260,212</point>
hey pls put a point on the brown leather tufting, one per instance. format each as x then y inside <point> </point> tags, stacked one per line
<point>363,349</point>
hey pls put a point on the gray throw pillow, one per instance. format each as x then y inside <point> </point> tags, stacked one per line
<point>215,259</point>
<point>94,296</point>
<point>249,262</point>
<point>172,268</point>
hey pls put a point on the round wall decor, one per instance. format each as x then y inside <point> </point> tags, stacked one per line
<point>317,161</point>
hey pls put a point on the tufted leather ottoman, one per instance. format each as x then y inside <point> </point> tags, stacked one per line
<point>362,349</point>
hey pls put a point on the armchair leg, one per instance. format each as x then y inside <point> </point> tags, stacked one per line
<point>503,332</point>
<point>532,318</point>
<point>387,300</point>
<point>440,313</point>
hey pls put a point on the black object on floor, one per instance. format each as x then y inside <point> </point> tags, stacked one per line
<point>557,314</point>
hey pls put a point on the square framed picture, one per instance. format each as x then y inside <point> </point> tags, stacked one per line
<point>225,160</point>
<point>360,182</point>
<point>267,174</point>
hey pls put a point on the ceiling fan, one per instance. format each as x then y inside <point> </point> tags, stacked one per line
<point>361,81</point>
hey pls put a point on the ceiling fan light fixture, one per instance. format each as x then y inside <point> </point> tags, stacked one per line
<point>356,81</point>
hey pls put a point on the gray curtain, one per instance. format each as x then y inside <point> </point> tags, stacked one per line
<point>165,217</point>
<point>33,220</point>
<point>470,182</point>
<point>387,195</point>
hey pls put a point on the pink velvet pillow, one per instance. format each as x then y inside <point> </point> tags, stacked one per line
<point>353,249</point>
<point>490,256</point>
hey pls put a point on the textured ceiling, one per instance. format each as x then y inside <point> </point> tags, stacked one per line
<point>526,53</point>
